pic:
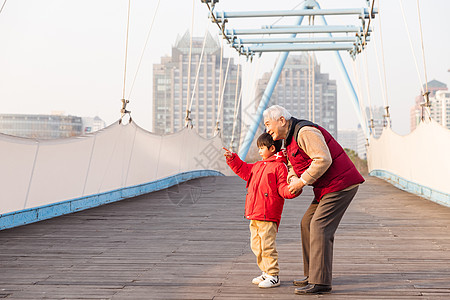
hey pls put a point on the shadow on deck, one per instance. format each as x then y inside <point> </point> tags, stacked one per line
<point>191,242</point>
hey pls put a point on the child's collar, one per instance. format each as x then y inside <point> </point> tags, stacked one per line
<point>279,156</point>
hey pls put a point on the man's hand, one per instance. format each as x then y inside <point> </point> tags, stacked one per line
<point>227,153</point>
<point>296,185</point>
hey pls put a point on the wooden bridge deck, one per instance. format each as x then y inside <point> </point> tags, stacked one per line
<point>191,242</point>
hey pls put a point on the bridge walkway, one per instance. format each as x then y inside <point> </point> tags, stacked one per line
<point>191,242</point>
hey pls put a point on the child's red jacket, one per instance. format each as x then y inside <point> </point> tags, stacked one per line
<point>267,186</point>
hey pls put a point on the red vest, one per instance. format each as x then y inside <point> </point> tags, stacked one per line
<point>341,174</point>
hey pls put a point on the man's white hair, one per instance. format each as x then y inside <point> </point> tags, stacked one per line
<point>275,112</point>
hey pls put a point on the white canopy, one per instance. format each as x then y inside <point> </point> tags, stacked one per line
<point>36,173</point>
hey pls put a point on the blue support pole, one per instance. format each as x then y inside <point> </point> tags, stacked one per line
<point>351,91</point>
<point>349,86</point>
<point>274,78</point>
<point>265,100</point>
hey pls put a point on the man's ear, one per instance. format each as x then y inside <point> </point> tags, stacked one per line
<point>283,121</point>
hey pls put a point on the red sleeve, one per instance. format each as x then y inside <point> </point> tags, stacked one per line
<point>282,184</point>
<point>241,168</point>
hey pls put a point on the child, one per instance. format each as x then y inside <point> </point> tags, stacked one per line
<point>266,189</point>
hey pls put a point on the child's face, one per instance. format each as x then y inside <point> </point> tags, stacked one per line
<point>266,152</point>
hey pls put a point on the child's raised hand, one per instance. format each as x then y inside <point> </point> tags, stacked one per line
<point>227,153</point>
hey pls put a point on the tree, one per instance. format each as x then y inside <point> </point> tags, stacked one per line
<point>360,164</point>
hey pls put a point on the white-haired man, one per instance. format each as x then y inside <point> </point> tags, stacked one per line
<point>315,158</point>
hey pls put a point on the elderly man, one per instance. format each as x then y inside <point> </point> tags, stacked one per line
<point>315,158</point>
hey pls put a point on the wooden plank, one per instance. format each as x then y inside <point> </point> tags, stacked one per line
<point>390,245</point>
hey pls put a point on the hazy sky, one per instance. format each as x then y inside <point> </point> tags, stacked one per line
<point>61,55</point>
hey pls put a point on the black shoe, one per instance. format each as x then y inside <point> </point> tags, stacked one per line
<point>313,289</point>
<point>301,282</point>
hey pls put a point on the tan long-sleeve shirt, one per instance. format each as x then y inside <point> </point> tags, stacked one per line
<point>311,140</point>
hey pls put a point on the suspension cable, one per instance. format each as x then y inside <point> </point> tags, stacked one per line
<point>143,50</point>
<point>423,48</point>
<point>250,90</point>
<point>235,119</point>
<point>198,69</point>
<point>369,97</point>
<point>237,85</point>
<point>368,24</point>
<point>388,117</point>
<point>188,88</point>
<point>313,80</point>
<point>313,87</point>
<point>280,18</point>
<point>126,51</point>
<point>124,110</point>
<point>309,78</point>
<point>426,93</point>
<point>222,94</point>
<point>254,69</point>
<point>236,104</point>
<point>3,5</point>
<point>383,91</point>
<point>358,85</point>
<point>220,82</point>
<point>222,29</point>
<point>309,86</point>
<point>410,43</point>
<point>360,95</point>
<point>251,71</point>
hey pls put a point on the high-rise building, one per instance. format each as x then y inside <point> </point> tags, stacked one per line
<point>440,108</point>
<point>47,126</point>
<point>416,111</point>
<point>378,123</point>
<point>294,92</point>
<point>92,124</point>
<point>348,138</point>
<point>170,90</point>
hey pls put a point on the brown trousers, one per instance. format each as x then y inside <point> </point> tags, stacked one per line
<point>318,226</point>
<point>262,241</point>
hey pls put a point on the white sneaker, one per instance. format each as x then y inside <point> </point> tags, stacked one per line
<point>270,281</point>
<point>260,278</point>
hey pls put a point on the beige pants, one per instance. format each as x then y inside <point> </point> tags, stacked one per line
<point>262,239</point>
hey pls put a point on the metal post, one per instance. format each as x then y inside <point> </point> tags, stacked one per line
<point>387,117</point>
<point>364,12</point>
<point>345,39</point>
<point>294,29</point>
<point>301,47</point>
<point>265,100</point>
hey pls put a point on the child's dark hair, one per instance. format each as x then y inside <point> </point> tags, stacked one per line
<point>265,139</point>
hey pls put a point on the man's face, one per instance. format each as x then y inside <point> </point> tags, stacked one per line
<point>276,128</point>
